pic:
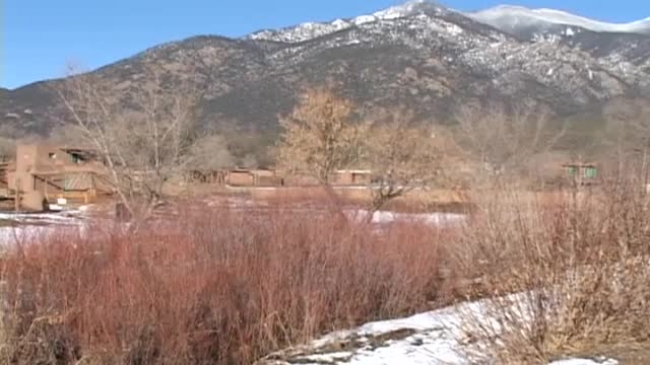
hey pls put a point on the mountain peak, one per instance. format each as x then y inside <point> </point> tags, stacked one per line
<point>311,30</point>
<point>512,18</point>
<point>409,8</point>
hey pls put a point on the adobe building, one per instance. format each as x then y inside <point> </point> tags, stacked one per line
<point>56,172</point>
<point>353,177</point>
<point>253,177</point>
<point>4,188</point>
<point>582,173</point>
<point>339,178</point>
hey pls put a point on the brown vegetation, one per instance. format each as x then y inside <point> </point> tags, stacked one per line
<point>504,141</point>
<point>319,137</point>
<point>580,267</point>
<point>403,156</point>
<point>229,287</point>
<point>214,287</point>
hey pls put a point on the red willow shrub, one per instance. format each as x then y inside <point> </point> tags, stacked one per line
<point>211,286</point>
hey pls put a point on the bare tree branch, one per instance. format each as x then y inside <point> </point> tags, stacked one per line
<point>402,156</point>
<point>145,137</point>
<point>501,140</point>
<point>319,137</point>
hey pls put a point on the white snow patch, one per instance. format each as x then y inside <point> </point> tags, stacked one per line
<point>31,226</point>
<point>307,31</point>
<point>432,338</point>
<point>453,29</point>
<point>569,32</point>
<point>340,23</point>
<point>68,217</point>
<point>401,11</point>
<point>435,219</point>
<point>363,19</point>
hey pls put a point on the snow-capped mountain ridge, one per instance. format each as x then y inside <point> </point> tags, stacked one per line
<point>311,30</point>
<point>512,18</point>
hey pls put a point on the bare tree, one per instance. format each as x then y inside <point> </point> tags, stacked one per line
<point>320,138</point>
<point>145,136</point>
<point>402,156</point>
<point>503,140</point>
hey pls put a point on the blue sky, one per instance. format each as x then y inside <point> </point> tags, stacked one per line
<point>40,36</point>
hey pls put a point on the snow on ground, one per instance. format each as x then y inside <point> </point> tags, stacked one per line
<point>24,227</point>
<point>380,217</point>
<point>51,218</point>
<point>435,219</point>
<point>432,338</point>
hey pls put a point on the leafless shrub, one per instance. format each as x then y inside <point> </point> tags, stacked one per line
<point>209,286</point>
<point>566,275</point>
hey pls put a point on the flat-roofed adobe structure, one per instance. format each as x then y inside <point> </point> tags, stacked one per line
<point>56,172</point>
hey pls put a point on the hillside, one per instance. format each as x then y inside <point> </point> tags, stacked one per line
<point>420,54</point>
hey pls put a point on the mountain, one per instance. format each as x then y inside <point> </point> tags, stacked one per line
<point>513,19</point>
<point>419,54</point>
<point>629,42</point>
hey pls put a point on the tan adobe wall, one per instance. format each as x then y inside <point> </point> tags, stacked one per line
<point>238,178</point>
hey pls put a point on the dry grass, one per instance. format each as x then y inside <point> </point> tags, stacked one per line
<point>212,287</point>
<point>581,268</point>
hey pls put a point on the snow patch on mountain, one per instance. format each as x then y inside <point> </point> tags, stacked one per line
<point>302,32</point>
<point>307,31</point>
<point>506,18</point>
<point>408,9</point>
<point>511,18</point>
